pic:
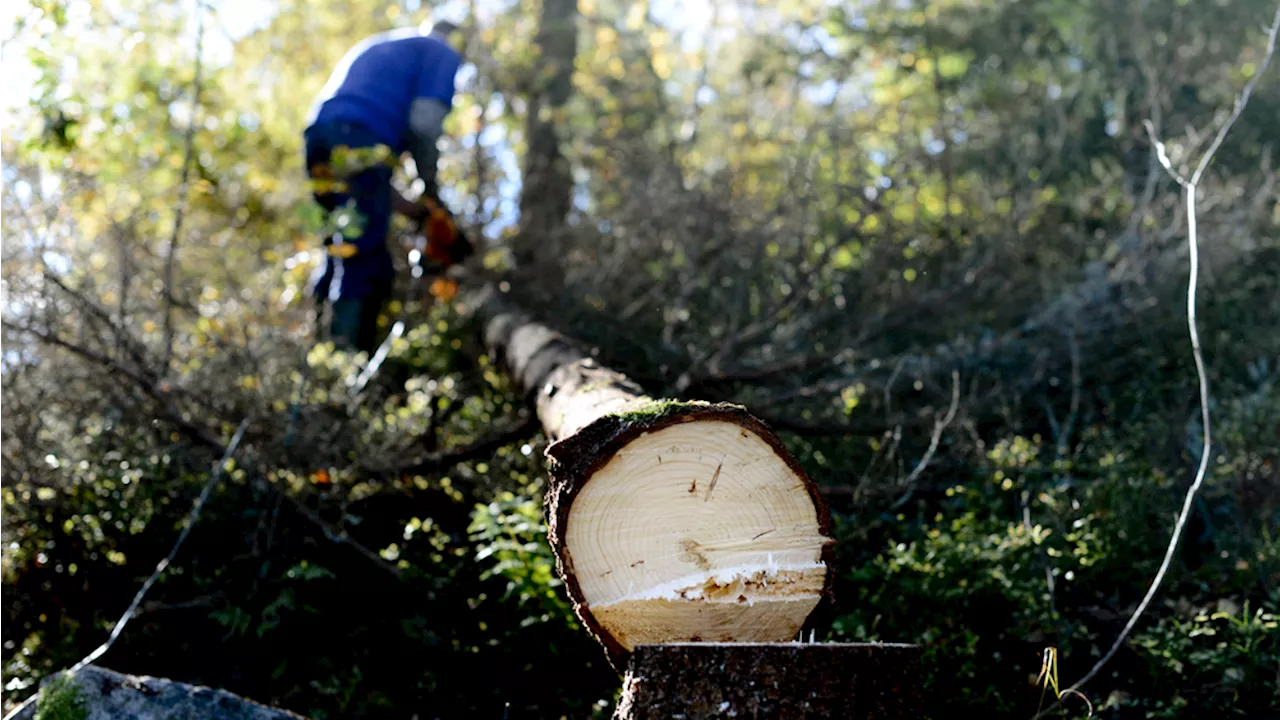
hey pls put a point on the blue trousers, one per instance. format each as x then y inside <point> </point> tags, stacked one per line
<point>358,286</point>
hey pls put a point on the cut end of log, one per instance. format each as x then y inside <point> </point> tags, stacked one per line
<point>693,524</point>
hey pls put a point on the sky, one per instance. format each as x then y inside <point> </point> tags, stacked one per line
<point>17,72</point>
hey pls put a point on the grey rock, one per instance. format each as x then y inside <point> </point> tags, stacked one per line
<point>109,695</point>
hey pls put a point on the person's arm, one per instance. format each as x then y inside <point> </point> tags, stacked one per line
<point>433,99</point>
<point>426,125</point>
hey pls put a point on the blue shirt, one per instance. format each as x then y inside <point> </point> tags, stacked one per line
<point>379,79</point>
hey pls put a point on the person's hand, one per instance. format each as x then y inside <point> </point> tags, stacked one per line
<point>414,211</point>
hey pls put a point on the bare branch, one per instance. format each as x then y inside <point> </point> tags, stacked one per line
<point>192,517</point>
<point>471,451</point>
<point>697,384</point>
<point>939,427</point>
<point>203,435</point>
<point>1201,375</point>
<point>123,337</point>
<point>1241,102</point>
<point>338,535</point>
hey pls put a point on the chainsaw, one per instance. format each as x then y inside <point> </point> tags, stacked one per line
<point>438,246</point>
<point>445,246</point>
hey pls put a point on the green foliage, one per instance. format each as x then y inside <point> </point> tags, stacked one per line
<point>1039,552</point>
<point>512,542</point>
<point>973,566</point>
<point>1224,658</point>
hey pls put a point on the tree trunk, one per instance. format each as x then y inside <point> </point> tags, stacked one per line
<point>547,190</point>
<point>670,521</point>
<point>775,681</point>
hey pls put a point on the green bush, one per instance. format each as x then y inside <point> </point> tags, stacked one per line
<point>971,582</point>
<point>1222,659</point>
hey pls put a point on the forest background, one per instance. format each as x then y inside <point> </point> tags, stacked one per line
<point>932,244</point>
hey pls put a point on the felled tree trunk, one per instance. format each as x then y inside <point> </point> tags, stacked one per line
<point>670,521</point>
<point>776,681</point>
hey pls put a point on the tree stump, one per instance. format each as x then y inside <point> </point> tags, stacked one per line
<point>777,681</point>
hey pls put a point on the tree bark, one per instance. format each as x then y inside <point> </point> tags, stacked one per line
<point>776,681</point>
<point>670,521</point>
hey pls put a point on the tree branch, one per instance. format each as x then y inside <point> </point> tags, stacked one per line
<point>202,435</point>
<point>134,348</point>
<point>471,451</point>
<point>938,428</point>
<point>338,535</point>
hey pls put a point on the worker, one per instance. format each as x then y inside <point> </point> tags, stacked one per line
<point>389,95</point>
